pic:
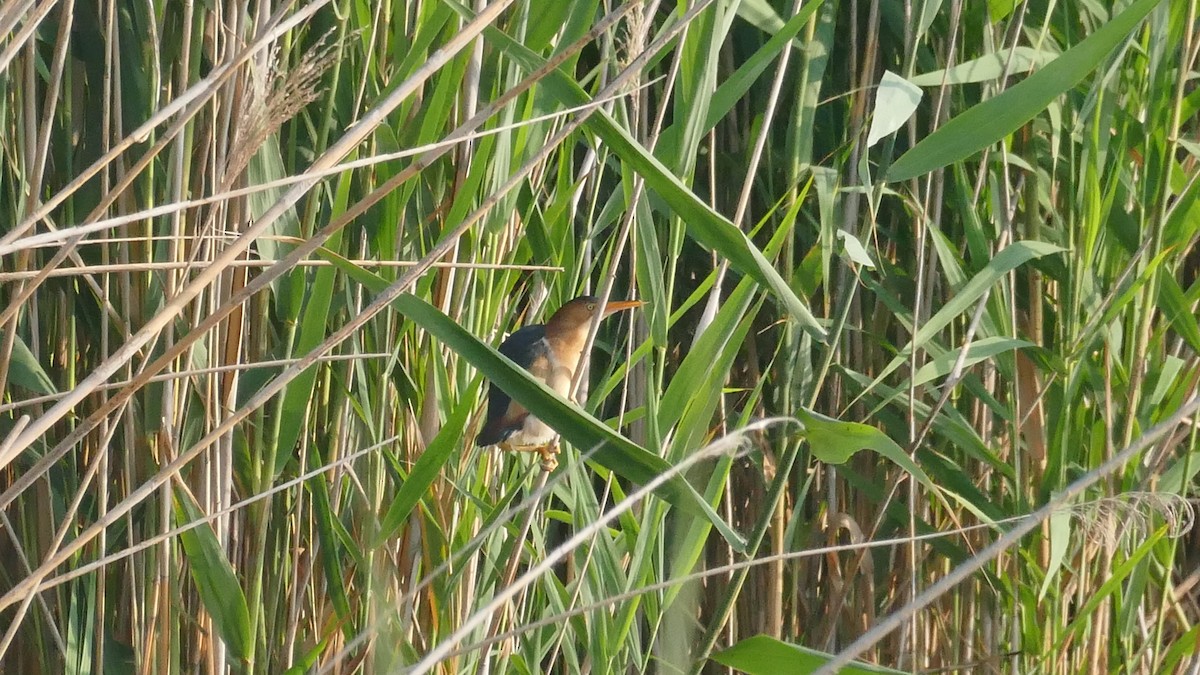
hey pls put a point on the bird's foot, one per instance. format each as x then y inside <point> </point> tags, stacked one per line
<point>548,452</point>
<point>549,455</point>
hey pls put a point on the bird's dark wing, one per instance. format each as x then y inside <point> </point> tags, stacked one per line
<point>526,347</point>
<point>523,345</point>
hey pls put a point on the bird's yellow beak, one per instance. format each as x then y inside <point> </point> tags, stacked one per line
<point>620,305</point>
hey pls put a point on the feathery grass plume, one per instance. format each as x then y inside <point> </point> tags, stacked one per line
<point>274,95</point>
<point>1126,519</point>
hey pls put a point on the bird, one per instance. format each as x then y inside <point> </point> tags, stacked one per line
<point>551,352</point>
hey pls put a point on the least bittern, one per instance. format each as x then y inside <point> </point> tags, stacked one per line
<point>551,352</point>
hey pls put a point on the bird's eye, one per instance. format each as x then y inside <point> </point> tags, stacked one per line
<point>591,306</point>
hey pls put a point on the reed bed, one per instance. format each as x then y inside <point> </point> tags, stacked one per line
<point>915,384</point>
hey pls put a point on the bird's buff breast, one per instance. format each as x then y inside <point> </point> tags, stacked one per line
<point>533,432</point>
<point>558,377</point>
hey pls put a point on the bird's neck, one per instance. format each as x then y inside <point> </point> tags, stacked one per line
<point>568,346</point>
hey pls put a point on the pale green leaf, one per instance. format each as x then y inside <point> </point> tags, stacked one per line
<point>979,350</point>
<point>1002,263</point>
<point>986,68</point>
<point>426,470</point>
<point>896,99</point>
<point>1060,540</point>
<point>855,250</point>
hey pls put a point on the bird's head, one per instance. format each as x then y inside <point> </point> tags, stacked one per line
<point>578,313</point>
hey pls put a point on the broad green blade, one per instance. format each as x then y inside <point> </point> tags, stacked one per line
<point>979,350</point>
<point>986,68</point>
<point>216,582</point>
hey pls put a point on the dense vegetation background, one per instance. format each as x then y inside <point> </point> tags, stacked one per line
<point>252,255</point>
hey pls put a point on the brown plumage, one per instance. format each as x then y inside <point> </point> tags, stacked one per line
<point>551,353</point>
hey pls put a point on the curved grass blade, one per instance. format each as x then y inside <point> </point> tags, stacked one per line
<point>988,122</point>
<point>1010,258</point>
<point>764,655</point>
<point>426,470</point>
<point>704,224</point>
<point>835,442</point>
<point>25,371</point>
<point>311,330</point>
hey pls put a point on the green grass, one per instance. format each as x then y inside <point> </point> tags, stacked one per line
<point>252,267</point>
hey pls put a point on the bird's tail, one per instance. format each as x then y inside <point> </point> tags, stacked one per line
<point>492,433</point>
